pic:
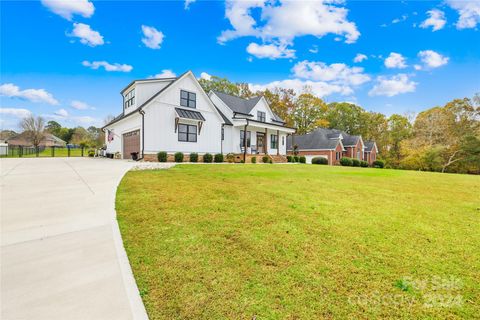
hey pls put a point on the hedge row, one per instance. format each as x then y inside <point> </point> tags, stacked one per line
<point>300,159</point>
<point>162,156</point>
<point>349,162</point>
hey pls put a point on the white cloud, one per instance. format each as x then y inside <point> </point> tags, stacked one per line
<point>338,73</point>
<point>86,35</point>
<point>319,88</point>
<point>270,51</point>
<point>401,19</point>
<point>314,49</point>
<point>68,8</point>
<point>85,120</point>
<point>395,60</point>
<point>469,12</point>
<point>108,66</point>
<point>62,116</point>
<point>152,37</point>
<point>188,3</point>
<point>432,59</point>
<point>436,20</point>
<point>359,58</point>
<point>15,112</point>
<point>79,105</point>
<point>166,73</point>
<point>61,113</point>
<point>392,86</point>
<point>33,95</point>
<point>322,79</point>
<point>205,76</point>
<point>417,67</point>
<point>279,20</point>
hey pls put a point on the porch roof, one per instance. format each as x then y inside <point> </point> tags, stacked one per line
<point>263,125</point>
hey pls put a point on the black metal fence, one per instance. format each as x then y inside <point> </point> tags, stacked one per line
<point>31,152</point>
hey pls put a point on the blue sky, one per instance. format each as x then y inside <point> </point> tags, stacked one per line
<point>68,60</point>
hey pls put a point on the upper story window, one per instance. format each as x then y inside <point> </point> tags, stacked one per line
<point>261,116</point>
<point>129,99</point>
<point>188,99</point>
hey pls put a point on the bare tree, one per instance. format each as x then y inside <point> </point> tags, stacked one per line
<point>33,128</point>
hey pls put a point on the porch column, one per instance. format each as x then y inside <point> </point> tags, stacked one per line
<point>278,142</point>
<point>245,143</point>
<point>266,141</point>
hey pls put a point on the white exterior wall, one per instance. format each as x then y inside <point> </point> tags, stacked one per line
<point>131,123</point>
<point>160,116</point>
<point>143,92</point>
<point>227,146</point>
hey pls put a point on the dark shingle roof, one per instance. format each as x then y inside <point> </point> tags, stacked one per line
<point>369,145</point>
<point>322,139</point>
<point>237,104</point>
<point>189,114</point>
<point>316,139</point>
<point>243,106</point>
<point>349,140</point>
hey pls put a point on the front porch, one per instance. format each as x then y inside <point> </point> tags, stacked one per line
<point>259,139</point>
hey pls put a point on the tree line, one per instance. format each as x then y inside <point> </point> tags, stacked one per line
<point>35,128</point>
<point>443,138</point>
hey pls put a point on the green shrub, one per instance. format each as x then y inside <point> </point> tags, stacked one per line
<point>270,161</point>
<point>319,160</point>
<point>346,161</point>
<point>254,159</point>
<point>219,158</point>
<point>289,158</point>
<point>91,153</point>
<point>303,159</point>
<point>162,156</point>
<point>193,157</point>
<point>230,158</point>
<point>364,164</point>
<point>378,164</point>
<point>295,158</point>
<point>207,158</point>
<point>265,159</point>
<point>179,157</point>
<point>242,161</point>
<point>355,163</point>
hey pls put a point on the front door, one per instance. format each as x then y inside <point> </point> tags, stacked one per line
<point>260,142</point>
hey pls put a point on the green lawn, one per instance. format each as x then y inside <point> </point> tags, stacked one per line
<point>302,242</point>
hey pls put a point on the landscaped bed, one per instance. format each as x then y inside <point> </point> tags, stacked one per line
<point>302,242</point>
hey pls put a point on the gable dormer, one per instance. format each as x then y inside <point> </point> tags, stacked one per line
<point>139,91</point>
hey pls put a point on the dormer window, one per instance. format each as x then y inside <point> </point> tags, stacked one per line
<point>129,99</point>
<point>188,99</point>
<point>261,116</point>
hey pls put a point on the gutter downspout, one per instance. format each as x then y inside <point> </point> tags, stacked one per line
<point>143,134</point>
<point>245,143</point>
<point>222,137</point>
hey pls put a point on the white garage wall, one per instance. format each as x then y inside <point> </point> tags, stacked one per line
<point>132,122</point>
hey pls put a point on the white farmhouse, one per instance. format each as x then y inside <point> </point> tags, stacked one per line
<point>176,115</point>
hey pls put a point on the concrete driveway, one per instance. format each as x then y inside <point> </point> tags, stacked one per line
<point>61,252</point>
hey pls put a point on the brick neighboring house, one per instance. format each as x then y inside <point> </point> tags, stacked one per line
<point>49,140</point>
<point>332,144</point>
<point>370,152</point>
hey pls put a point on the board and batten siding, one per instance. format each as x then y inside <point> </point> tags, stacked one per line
<point>131,123</point>
<point>160,116</point>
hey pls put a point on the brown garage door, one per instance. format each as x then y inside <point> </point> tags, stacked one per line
<point>131,143</point>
